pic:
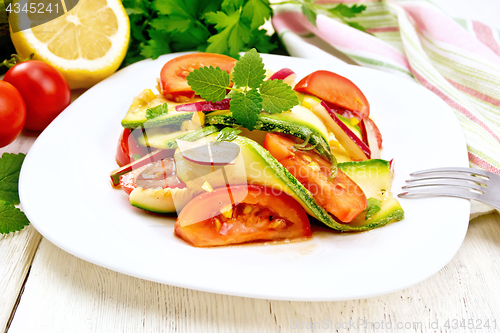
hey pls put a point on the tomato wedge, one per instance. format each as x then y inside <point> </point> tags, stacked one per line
<point>173,74</point>
<point>341,196</point>
<point>261,214</point>
<point>337,90</point>
<point>128,149</point>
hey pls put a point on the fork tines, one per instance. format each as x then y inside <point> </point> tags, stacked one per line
<point>453,182</point>
<point>468,171</point>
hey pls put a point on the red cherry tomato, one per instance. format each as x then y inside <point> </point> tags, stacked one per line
<point>261,215</point>
<point>45,92</point>
<point>129,149</point>
<point>341,196</point>
<point>173,74</point>
<point>337,90</point>
<point>12,113</point>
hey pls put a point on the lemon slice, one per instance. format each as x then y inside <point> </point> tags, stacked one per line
<point>86,44</point>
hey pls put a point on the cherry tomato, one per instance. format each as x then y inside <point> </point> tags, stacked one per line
<point>212,219</point>
<point>12,113</point>
<point>129,149</point>
<point>173,74</point>
<point>337,90</point>
<point>45,92</point>
<point>341,196</point>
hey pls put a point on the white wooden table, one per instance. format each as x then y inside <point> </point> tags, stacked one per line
<point>44,289</point>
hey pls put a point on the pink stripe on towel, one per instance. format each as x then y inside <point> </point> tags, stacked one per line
<point>442,28</point>
<point>454,104</point>
<point>485,35</point>
<point>475,93</point>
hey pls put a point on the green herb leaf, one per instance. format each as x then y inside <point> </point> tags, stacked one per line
<point>174,25</point>
<point>247,99</point>
<point>310,11</point>
<point>277,96</point>
<point>157,111</point>
<point>227,134</point>
<point>262,42</point>
<point>157,45</point>
<point>249,70</point>
<point>232,33</point>
<point>11,218</point>
<point>356,26</point>
<point>246,107</point>
<point>209,82</point>
<point>347,11</point>
<point>342,11</point>
<point>182,19</point>
<point>218,26</point>
<point>257,12</point>
<point>372,207</point>
<point>10,167</point>
<point>229,6</point>
<point>134,11</point>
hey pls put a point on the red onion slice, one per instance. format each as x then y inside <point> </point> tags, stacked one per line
<point>282,74</point>
<point>204,106</point>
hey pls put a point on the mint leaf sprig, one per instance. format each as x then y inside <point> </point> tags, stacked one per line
<point>250,94</point>
<point>11,218</point>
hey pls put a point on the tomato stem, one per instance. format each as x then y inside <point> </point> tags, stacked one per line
<point>15,60</point>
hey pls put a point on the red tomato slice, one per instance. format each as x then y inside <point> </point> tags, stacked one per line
<point>261,215</point>
<point>173,74</point>
<point>129,149</point>
<point>341,196</point>
<point>335,89</point>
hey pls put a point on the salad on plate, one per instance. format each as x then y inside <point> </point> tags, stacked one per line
<point>240,153</point>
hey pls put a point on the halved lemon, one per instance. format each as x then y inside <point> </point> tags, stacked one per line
<point>86,44</point>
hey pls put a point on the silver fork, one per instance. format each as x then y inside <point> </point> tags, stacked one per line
<point>465,183</point>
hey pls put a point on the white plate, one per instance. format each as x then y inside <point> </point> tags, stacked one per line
<point>66,194</point>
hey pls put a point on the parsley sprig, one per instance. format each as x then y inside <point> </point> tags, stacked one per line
<point>156,111</point>
<point>250,94</point>
<point>11,218</point>
<point>218,26</point>
<point>341,11</point>
<point>227,134</point>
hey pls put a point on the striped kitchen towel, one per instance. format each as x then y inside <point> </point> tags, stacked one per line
<point>457,59</point>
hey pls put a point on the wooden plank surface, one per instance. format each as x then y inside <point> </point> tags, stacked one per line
<point>16,250</point>
<point>67,294</point>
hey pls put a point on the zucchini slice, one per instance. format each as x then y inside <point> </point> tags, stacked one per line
<point>170,118</point>
<point>157,138</point>
<point>375,179</point>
